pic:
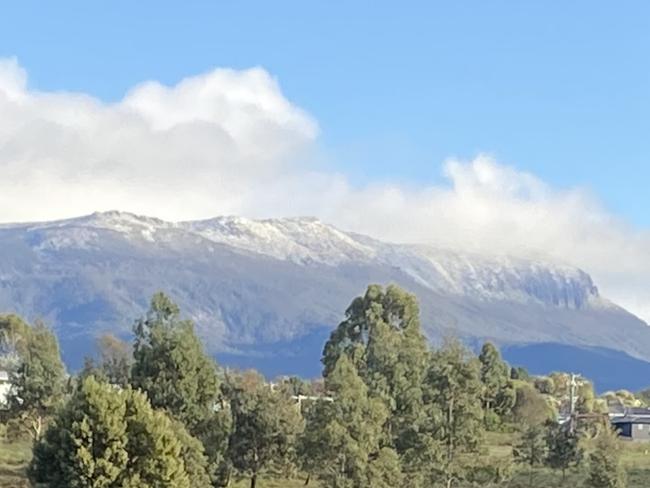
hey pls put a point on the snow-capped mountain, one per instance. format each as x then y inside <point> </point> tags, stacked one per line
<point>276,287</point>
<point>300,240</point>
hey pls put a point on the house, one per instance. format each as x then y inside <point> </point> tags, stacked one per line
<point>5,386</point>
<point>634,425</point>
<point>616,410</point>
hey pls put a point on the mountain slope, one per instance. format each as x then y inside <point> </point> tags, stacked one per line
<point>610,370</point>
<point>273,289</point>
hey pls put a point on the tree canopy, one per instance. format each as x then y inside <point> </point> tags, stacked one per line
<point>605,470</point>
<point>342,443</point>
<point>109,438</point>
<point>38,379</point>
<point>266,424</point>
<point>171,367</point>
<point>382,338</point>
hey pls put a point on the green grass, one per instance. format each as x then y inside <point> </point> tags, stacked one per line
<point>636,459</point>
<point>13,461</point>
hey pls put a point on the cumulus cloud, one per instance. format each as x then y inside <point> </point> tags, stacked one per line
<point>229,142</point>
<point>188,150</point>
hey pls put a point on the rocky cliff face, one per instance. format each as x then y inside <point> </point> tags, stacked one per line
<point>276,287</point>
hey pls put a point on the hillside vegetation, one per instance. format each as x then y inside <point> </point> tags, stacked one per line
<point>388,411</point>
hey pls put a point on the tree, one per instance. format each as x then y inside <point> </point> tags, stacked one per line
<point>115,359</point>
<point>423,454</point>
<point>110,438</point>
<point>498,392</point>
<point>622,398</point>
<point>519,373</point>
<point>605,470</point>
<point>563,450</point>
<point>644,396</point>
<point>38,382</point>
<point>384,470</point>
<point>160,451</point>
<point>214,432</point>
<point>171,366</point>
<point>294,386</point>
<point>13,341</point>
<point>454,387</point>
<point>194,457</point>
<point>382,338</point>
<point>586,398</point>
<point>341,444</point>
<point>316,451</point>
<point>531,407</point>
<point>266,424</point>
<point>531,450</point>
<point>545,385</point>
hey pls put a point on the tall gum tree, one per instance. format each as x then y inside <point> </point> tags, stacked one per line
<point>171,367</point>
<point>381,336</point>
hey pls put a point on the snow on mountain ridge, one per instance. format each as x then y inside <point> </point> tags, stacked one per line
<point>303,240</point>
<point>81,232</point>
<point>307,241</point>
<point>504,278</point>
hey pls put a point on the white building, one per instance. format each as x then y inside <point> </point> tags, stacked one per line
<point>5,386</point>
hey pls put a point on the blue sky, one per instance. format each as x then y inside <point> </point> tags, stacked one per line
<point>560,89</point>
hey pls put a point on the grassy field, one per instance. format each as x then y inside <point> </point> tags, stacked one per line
<point>13,460</point>
<point>15,456</point>
<point>636,458</point>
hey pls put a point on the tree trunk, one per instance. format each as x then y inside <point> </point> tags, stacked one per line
<point>450,436</point>
<point>307,479</point>
<point>450,440</point>
<point>253,480</point>
<point>37,427</point>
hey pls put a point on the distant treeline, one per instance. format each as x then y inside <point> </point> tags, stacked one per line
<point>389,411</point>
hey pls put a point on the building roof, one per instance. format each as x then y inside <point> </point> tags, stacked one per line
<point>620,410</point>
<point>631,419</point>
<point>638,411</point>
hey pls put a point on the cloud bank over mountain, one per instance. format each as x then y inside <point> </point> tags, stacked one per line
<point>229,142</point>
<point>197,148</point>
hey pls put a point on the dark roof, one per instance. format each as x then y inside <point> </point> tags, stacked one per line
<point>631,419</point>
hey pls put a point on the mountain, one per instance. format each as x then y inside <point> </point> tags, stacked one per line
<point>610,370</point>
<point>267,293</point>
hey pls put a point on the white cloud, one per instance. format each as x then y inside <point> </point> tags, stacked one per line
<point>188,150</point>
<point>229,142</point>
<point>496,209</point>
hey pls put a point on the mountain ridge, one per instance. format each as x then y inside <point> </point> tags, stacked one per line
<point>252,284</point>
<point>256,236</point>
